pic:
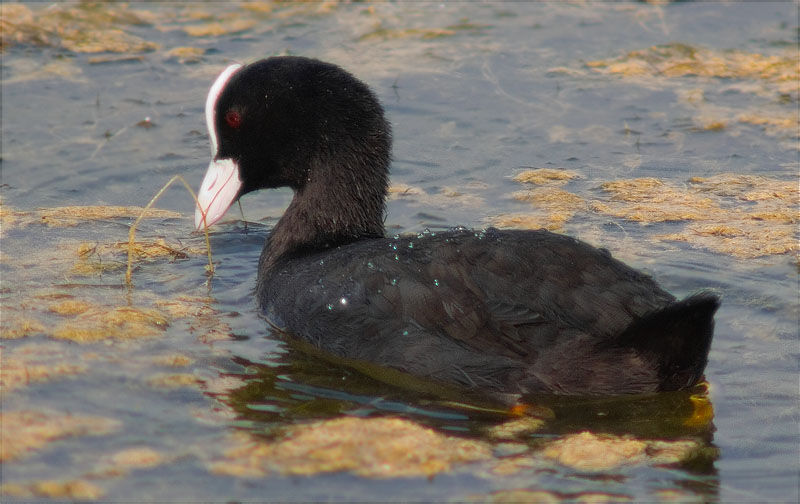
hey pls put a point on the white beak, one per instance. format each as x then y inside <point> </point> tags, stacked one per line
<point>219,190</point>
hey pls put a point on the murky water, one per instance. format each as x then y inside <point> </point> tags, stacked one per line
<point>176,390</point>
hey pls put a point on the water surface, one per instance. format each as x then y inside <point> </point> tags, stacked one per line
<point>153,393</point>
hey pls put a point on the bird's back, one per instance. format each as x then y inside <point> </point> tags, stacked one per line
<point>511,311</point>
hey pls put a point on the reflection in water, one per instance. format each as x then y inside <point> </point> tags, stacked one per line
<point>298,397</point>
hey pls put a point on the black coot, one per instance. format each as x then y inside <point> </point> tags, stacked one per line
<point>510,312</point>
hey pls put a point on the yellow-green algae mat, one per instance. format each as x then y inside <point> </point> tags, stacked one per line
<point>744,216</point>
<point>100,27</point>
<point>369,447</point>
<point>395,447</point>
<point>741,215</point>
<point>773,77</point>
<point>41,309</point>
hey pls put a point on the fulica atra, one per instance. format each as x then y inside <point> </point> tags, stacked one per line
<point>502,312</point>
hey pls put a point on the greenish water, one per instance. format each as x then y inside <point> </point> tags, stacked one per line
<point>476,93</point>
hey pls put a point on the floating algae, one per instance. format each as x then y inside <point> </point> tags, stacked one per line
<point>545,176</point>
<point>681,60</point>
<point>594,453</point>
<point>80,27</point>
<point>34,363</point>
<point>649,200</point>
<point>103,257</point>
<point>25,432</point>
<point>77,489</point>
<point>71,216</point>
<point>102,323</point>
<point>372,447</point>
<point>768,76</point>
<point>173,380</point>
<point>553,206</point>
<point>740,215</point>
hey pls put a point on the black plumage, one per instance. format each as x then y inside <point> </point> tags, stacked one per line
<point>511,312</point>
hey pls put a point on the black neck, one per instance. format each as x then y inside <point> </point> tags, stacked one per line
<point>331,208</point>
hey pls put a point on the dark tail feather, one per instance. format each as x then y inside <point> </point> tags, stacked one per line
<point>677,338</point>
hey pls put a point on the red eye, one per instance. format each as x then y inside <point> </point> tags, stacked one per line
<point>233,118</point>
